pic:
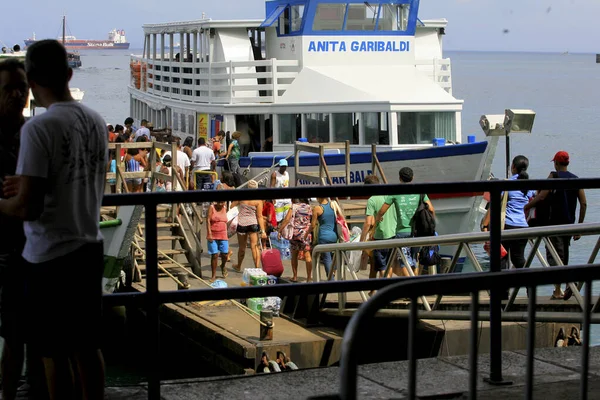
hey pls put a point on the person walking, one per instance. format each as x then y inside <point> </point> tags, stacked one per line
<point>281,179</point>
<point>324,214</point>
<point>233,153</point>
<point>383,231</point>
<point>202,161</point>
<point>299,216</point>
<point>250,226</point>
<point>216,238</point>
<point>516,200</point>
<point>563,206</point>
<point>59,187</point>
<point>405,205</point>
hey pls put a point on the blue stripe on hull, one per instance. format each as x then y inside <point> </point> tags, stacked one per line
<point>309,160</point>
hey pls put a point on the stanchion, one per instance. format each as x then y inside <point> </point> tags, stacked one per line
<point>266,326</point>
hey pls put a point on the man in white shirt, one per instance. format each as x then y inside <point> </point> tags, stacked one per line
<point>183,160</point>
<point>143,131</point>
<point>58,193</point>
<point>203,159</point>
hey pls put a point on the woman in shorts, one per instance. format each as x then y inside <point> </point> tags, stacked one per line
<point>216,238</point>
<point>250,225</point>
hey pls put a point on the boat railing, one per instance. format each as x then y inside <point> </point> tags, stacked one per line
<point>439,70</point>
<point>227,82</point>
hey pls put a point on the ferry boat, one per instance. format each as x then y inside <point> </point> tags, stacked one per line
<point>321,71</point>
<point>116,41</point>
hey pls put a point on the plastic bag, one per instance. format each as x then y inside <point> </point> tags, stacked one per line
<point>281,244</point>
<point>487,248</point>
<point>354,257</point>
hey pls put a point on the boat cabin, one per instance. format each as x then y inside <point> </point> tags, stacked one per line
<point>324,70</point>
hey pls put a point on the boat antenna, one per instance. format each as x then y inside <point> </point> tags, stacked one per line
<point>64,28</point>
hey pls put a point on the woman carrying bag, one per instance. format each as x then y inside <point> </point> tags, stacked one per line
<point>513,216</point>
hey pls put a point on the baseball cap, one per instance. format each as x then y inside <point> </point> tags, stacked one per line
<point>561,157</point>
<point>283,163</point>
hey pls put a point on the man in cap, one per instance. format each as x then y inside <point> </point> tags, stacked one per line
<point>563,204</point>
<point>281,179</point>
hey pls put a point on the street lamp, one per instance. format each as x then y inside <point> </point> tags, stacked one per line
<point>513,121</point>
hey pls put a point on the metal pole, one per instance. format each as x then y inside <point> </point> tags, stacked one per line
<point>495,294</point>
<point>507,155</point>
<point>152,303</point>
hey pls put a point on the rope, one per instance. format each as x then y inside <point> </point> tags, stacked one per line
<point>236,303</point>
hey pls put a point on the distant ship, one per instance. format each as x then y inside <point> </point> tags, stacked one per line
<point>116,41</point>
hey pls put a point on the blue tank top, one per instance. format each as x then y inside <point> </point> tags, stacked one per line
<point>327,232</point>
<point>132,165</point>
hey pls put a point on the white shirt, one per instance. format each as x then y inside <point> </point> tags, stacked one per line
<point>67,146</point>
<point>143,131</point>
<point>202,157</point>
<point>183,160</point>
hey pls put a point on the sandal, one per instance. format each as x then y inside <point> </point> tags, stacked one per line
<point>236,269</point>
<point>557,297</point>
<point>568,293</point>
<point>224,272</point>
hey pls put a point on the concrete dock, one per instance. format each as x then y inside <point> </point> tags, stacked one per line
<point>556,376</point>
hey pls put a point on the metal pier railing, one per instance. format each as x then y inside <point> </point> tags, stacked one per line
<point>463,242</point>
<point>495,281</point>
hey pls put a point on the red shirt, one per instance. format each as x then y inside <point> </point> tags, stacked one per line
<point>112,136</point>
<point>269,212</point>
<point>218,224</point>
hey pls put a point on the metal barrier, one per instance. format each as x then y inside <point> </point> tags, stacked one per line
<point>472,283</point>
<point>463,241</point>
<point>152,298</point>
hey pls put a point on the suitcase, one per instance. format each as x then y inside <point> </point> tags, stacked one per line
<point>271,262</point>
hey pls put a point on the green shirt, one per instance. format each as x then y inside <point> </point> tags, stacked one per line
<point>387,228</point>
<point>406,205</point>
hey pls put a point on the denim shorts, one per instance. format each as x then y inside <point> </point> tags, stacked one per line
<point>217,246</point>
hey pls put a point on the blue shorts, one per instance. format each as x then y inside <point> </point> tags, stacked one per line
<point>218,246</point>
<point>380,257</point>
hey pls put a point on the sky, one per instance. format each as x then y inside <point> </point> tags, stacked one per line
<point>474,25</point>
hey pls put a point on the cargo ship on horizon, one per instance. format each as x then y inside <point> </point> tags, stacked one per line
<point>116,41</point>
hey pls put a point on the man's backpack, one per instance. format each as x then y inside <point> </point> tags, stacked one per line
<point>423,221</point>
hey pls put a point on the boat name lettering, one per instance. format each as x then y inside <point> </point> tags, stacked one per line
<point>100,44</point>
<point>355,177</point>
<point>340,46</point>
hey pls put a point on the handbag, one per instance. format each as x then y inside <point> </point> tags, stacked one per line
<point>342,230</point>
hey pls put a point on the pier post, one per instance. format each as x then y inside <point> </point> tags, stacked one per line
<point>495,377</point>
<point>152,303</point>
<point>266,326</point>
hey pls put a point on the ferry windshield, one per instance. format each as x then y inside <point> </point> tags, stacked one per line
<point>362,17</point>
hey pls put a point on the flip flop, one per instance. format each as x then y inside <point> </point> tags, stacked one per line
<point>236,269</point>
<point>224,272</point>
<point>556,297</point>
<point>294,280</point>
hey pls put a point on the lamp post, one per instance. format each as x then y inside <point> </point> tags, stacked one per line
<point>513,121</point>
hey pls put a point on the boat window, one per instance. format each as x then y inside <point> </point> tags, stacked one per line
<point>182,122</point>
<point>393,17</point>
<point>362,17</point>
<point>289,128</point>
<point>297,15</point>
<point>376,128</point>
<point>317,128</point>
<point>175,121</point>
<point>423,127</point>
<point>284,22</point>
<point>191,122</point>
<point>271,18</point>
<point>345,127</point>
<point>329,17</point>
